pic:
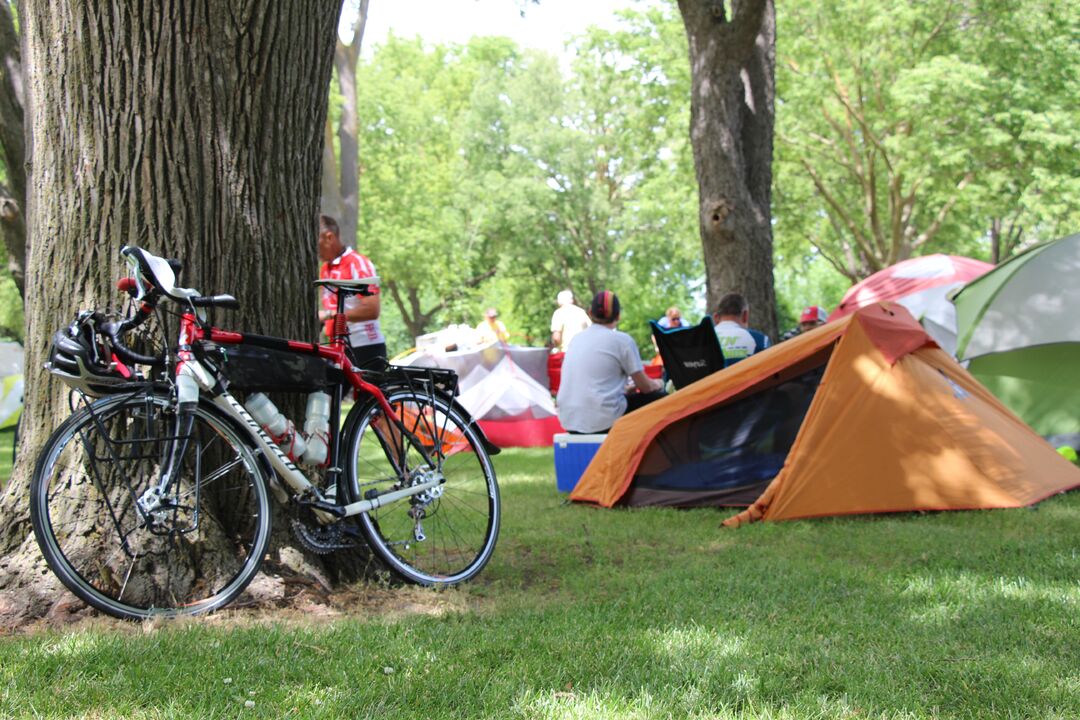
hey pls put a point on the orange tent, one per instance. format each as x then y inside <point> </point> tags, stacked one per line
<point>863,415</point>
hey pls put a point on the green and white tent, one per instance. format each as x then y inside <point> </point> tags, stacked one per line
<point>1018,332</point>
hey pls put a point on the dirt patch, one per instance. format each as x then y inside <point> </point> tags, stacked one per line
<point>277,601</point>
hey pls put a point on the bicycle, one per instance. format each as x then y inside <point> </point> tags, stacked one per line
<point>152,498</point>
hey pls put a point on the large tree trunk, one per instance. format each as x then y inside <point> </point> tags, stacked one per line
<point>191,129</point>
<point>13,149</point>
<point>341,176</point>
<point>732,65</point>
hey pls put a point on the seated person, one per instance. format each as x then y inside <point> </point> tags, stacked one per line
<point>736,339</point>
<point>491,329</point>
<point>593,392</point>
<point>672,319</point>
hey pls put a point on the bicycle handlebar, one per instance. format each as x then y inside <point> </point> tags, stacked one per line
<point>115,332</point>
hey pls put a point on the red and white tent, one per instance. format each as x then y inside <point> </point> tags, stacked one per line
<point>922,285</point>
<point>505,387</point>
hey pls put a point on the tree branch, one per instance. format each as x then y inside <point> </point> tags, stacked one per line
<point>837,265</point>
<point>470,283</point>
<point>937,29</point>
<point>833,203</point>
<point>927,234</point>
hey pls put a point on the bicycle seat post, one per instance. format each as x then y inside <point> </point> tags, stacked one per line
<point>341,327</point>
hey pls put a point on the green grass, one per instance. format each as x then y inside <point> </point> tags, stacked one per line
<point>7,441</point>
<point>587,613</point>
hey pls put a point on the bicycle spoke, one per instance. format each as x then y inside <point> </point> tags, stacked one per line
<point>459,517</point>
<point>184,556</point>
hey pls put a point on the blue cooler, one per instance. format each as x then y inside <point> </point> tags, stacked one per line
<point>573,453</point>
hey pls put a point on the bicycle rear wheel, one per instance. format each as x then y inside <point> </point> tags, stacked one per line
<point>444,535</point>
<point>194,553</point>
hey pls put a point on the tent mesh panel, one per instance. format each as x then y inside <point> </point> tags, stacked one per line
<point>727,454</point>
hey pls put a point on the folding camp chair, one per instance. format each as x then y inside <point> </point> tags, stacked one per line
<point>689,353</point>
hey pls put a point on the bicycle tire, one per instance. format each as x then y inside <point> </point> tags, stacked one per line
<point>459,520</point>
<point>193,557</point>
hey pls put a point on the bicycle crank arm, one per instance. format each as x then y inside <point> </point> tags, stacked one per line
<point>364,506</point>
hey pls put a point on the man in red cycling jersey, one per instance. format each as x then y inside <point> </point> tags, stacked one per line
<point>361,311</point>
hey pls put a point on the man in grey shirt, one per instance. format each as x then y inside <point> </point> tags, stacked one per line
<point>592,395</point>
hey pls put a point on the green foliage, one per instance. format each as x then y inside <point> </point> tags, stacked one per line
<point>425,219</point>
<point>653,613</point>
<point>12,319</point>
<point>489,178</point>
<point>7,457</point>
<point>912,128</point>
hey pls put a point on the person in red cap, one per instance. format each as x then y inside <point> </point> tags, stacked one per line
<point>812,316</point>
<point>592,394</point>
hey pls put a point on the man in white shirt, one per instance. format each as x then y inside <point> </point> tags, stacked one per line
<point>737,341</point>
<point>566,322</point>
<point>592,395</point>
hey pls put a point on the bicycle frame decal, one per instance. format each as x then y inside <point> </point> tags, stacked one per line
<point>281,462</point>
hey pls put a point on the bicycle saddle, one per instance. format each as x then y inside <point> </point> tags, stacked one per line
<point>353,284</point>
<point>159,272</point>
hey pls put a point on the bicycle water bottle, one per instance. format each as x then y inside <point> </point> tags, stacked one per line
<point>317,428</point>
<point>279,427</point>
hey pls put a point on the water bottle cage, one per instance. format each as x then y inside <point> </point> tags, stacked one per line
<point>286,441</point>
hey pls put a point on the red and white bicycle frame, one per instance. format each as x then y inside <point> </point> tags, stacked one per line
<point>193,378</point>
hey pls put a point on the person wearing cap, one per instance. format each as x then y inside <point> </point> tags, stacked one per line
<point>737,340</point>
<point>566,322</point>
<point>812,316</point>
<point>592,394</point>
<point>491,329</point>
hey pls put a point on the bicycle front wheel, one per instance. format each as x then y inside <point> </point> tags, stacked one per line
<point>193,552</point>
<point>441,536</point>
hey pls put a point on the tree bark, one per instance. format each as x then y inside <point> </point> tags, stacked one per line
<point>13,149</point>
<point>191,129</point>
<point>732,70</point>
<point>330,203</point>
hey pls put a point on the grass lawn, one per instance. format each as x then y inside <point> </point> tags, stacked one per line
<point>7,441</point>
<point>587,613</point>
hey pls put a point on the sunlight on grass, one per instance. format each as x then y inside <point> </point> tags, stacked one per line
<point>694,648</point>
<point>969,588</point>
<point>71,647</point>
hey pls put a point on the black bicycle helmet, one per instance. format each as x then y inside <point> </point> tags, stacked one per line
<point>79,358</point>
